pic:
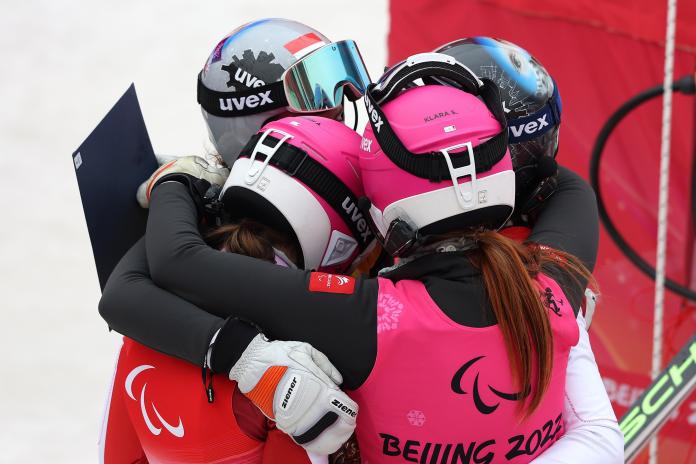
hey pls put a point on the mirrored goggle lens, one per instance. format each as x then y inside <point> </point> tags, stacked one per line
<point>317,81</point>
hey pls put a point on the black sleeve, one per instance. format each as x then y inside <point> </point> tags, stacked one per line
<point>569,222</point>
<point>134,306</point>
<point>278,299</point>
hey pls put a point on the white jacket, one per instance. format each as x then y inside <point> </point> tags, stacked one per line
<point>592,431</point>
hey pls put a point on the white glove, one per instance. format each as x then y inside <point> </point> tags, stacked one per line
<point>192,165</point>
<point>296,386</point>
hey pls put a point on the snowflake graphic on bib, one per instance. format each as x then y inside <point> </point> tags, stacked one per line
<point>416,418</point>
<point>388,312</point>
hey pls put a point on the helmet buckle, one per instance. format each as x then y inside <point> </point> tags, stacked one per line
<point>466,193</point>
<point>255,170</point>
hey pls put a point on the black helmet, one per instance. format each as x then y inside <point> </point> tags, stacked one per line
<point>532,105</point>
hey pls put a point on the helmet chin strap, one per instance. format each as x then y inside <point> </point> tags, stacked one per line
<point>400,236</point>
<point>546,167</point>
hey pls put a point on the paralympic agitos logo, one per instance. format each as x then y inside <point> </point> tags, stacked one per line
<point>481,405</point>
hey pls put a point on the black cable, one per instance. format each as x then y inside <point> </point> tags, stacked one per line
<point>685,85</point>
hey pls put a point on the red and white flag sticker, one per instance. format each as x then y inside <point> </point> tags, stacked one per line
<point>331,283</point>
<point>304,44</point>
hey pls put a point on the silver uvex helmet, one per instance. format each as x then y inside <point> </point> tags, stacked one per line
<point>239,88</point>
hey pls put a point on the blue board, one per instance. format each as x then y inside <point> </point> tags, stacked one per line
<point>110,165</point>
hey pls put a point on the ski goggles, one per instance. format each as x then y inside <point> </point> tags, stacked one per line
<point>320,80</point>
<point>317,82</point>
<point>429,66</point>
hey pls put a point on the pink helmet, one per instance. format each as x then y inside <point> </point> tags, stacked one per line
<point>300,176</point>
<point>434,157</point>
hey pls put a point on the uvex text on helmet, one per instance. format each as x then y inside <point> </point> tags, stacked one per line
<point>247,63</point>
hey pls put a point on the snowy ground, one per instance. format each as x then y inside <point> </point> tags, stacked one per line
<point>63,65</point>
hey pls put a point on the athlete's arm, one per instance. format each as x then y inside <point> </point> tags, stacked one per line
<point>264,370</point>
<point>569,220</point>
<point>278,299</point>
<point>134,306</point>
<point>592,432</point>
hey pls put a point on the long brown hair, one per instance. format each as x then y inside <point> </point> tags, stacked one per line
<point>509,269</point>
<point>250,238</point>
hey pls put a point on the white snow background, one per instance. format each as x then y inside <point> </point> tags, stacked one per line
<point>63,64</point>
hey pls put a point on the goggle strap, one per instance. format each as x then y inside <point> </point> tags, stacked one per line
<point>556,105</point>
<point>432,165</point>
<point>549,115</point>
<point>298,164</point>
<point>403,77</point>
<point>490,95</point>
<point>234,104</point>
